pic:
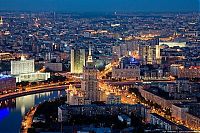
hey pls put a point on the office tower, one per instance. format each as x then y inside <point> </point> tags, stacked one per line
<point>77,60</point>
<point>1,20</point>
<point>23,66</point>
<point>48,56</point>
<point>158,55</point>
<point>89,83</point>
<point>150,54</point>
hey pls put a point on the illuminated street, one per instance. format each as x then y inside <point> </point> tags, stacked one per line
<point>27,121</point>
<point>126,97</point>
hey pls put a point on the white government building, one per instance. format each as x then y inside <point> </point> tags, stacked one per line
<point>24,70</point>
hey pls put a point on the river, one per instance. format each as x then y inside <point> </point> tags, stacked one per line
<point>13,110</point>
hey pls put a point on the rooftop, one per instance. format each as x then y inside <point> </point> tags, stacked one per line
<point>157,91</point>
<point>4,76</point>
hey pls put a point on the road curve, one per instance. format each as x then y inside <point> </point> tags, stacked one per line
<point>33,91</point>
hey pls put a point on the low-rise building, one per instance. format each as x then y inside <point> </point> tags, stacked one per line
<point>192,121</point>
<point>75,96</point>
<point>128,68</point>
<point>187,113</point>
<point>6,56</point>
<point>162,98</point>
<point>56,67</point>
<point>174,69</point>
<point>65,111</point>
<point>32,77</point>
<point>191,72</point>
<point>7,83</point>
<point>178,111</point>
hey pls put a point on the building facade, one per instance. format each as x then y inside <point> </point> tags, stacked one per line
<point>74,96</point>
<point>65,111</point>
<point>1,20</point>
<point>164,102</point>
<point>23,66</point>
<point>89,83</point>
<point>174,69</point>
<point>150,54</point>
<point>191,72</point>
<point>32,77</point>
<point>165,124</point>
<point>187,113</point>
<point>7,83</point>
<point>24,70</point>
<point>56,67</point>
<point>77,60</point>
<point>113,99</point>
<point>128,68</point>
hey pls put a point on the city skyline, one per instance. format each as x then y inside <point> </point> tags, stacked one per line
<point>101,5</point>
<point>99,66</point>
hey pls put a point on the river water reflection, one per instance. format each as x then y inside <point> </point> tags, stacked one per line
<point>13,110</point>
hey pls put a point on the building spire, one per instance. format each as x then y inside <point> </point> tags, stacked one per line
<point>90,55</point>
<point>90,51</point>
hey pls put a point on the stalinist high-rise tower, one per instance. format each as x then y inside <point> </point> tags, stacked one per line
<point>89,83</point>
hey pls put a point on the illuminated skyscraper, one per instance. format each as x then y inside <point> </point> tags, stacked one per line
<point>89,83</point>
<point>77,60</point>
<point>1,20</point>
<point>150,54</point>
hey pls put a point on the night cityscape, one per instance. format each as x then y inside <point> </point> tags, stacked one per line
<point>103,66</point>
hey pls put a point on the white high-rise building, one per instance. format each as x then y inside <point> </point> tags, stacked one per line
<point>23,66</point>
<point>89,83</point>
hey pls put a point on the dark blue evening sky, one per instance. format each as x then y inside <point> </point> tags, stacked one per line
<point>100,5</point>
